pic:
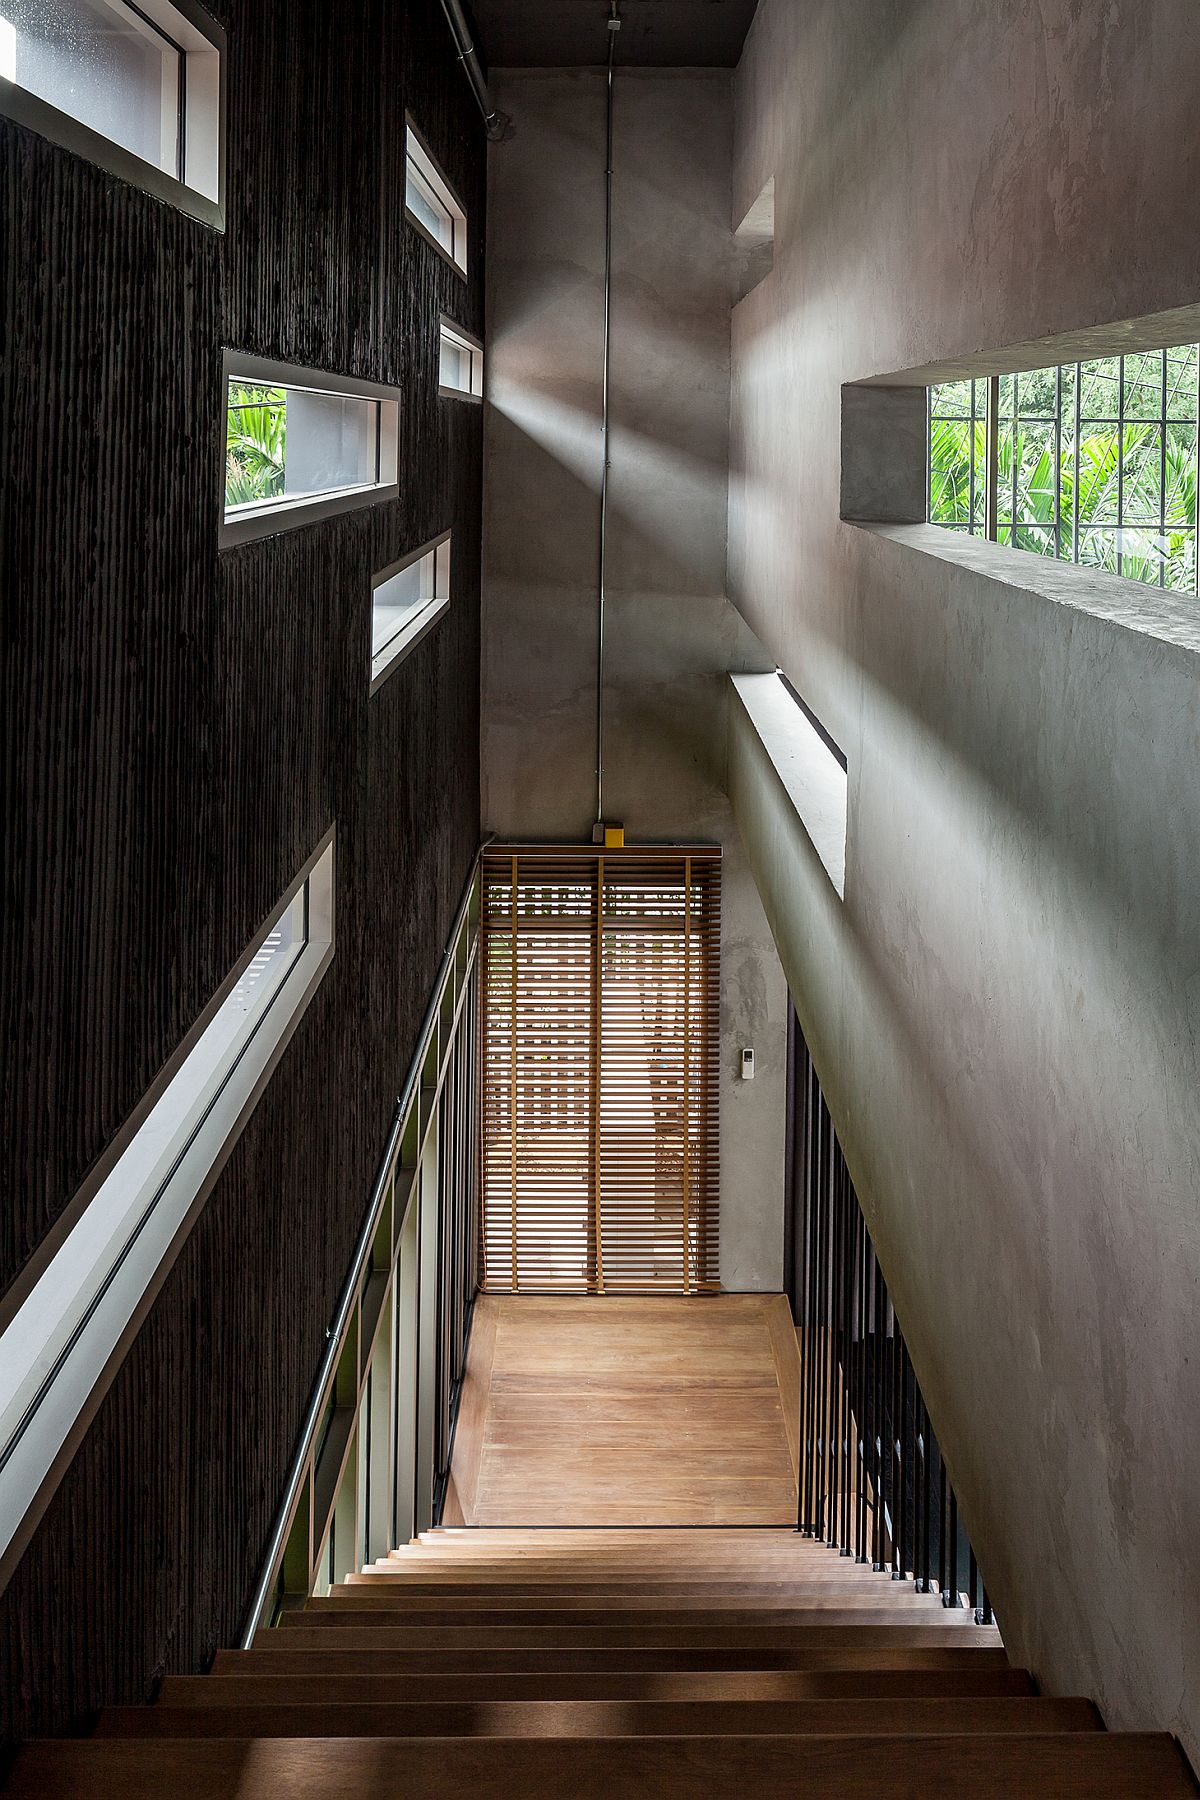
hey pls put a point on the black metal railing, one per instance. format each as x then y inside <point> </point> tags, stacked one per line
<point>873,1481</point>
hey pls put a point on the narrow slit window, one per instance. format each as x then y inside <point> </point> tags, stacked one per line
<point>136,89</point>
<point>460,363</point>
<point>407,601</point>
<point>66,1333</point>
<point>432,205</point>
<point>300,445</point>
<point>1089,462</point>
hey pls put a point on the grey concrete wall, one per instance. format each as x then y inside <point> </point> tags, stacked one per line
<point>1005,1009</point>
<point>671,633</point>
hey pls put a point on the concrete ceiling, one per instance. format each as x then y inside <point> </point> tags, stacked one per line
<point>572,33</point>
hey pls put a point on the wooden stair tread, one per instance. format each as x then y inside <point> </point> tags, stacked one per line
<point>618,1613</point>
<point>348,1629</point>
<point>601,1718</point>
<point>290,1656</point>
<point>241,1688</point>
<point>1065,1765</point>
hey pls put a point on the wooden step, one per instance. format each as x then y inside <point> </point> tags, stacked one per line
<point>349,1630</point>
<point>241,1689</point>
<point>621,1613</point>
<point>749,1590</point>
<point>290,1654</point>
<point>453,1608</point>
<point>1063,1765</point>
<point>601,1718</point>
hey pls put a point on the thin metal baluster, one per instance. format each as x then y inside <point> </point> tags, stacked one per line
<point>813,1202</point>
<point>900,1573</point>
<point>973,1580</point>
<point>984,1616</point>
<point>835,1348</point>
<point>927,1501</point>
<point>823,1384</point>
<point>847,1349</point>
<point>861,1390</point>
<point>898,1498</point>
<point>804,1158</point>
<point>877,1439</point>
<point>918,1487</point>
<point>942,1532</point>
<point>950,1593</point>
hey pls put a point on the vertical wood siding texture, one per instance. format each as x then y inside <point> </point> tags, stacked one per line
<point>181,728</point>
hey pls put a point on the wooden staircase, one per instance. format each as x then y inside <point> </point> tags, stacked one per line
<point>609,1663</point>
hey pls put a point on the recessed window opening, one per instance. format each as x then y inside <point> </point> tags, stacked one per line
<point>300,444</point>
<point>1091,462</point>
<point>460,363</point>
<point>134,88</point>
<point>432,205</point>
<point>70,1325</point>
<point>408,598</point>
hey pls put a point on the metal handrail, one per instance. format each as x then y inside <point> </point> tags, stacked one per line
<point>348,1295</point>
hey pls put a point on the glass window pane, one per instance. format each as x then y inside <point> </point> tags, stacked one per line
<point>284,443</point>
<point>1035,473</point>
<point>1100,388</point>
<point>1143,385</point>
<point>1181,382</point>
<point>1142,483</point>
<point>256,430</point>
<point>455,366</point>
<point>399,598</point>
<point>1181,474</point>
<point>331,442</point>
<point>1038,538</point>
<point>1097,476</point>
<point>951,399</point>
<point>1036,392</point>
<point>950,446</point>
<point>1098,548</point>
<point>1179,570</point>
<point>101,63</point>
<point>423,203</point>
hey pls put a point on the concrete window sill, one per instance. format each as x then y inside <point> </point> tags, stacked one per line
<point>1151,612</point>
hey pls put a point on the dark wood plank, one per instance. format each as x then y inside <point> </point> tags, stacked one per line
<point>601,1718</point>
<point>1066,1766</point>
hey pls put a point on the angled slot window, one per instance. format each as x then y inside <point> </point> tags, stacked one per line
<point>136,89</point>
<point>1090,462</point>
<point>74,1317</point>
<point>460,363</point>
<point>301,445</point>
<point>431,204</point>
<point>407,601</point>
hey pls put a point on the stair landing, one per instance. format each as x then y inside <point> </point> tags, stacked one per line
<point>615,1411</point>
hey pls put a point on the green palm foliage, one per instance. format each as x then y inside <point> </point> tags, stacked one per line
<point>255,440</point>
<point>1127,490</point>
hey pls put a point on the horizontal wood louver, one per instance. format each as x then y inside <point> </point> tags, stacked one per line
<point>599,1054</point>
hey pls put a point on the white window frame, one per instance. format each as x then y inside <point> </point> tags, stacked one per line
<point>461,339</point>
<point>421,159</point>
<point>202,46</point>
<point>243,524</point>
<point>422,622</point>
<point>68,1321</point>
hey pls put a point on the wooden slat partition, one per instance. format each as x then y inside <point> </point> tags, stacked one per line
<point>600,1045</point>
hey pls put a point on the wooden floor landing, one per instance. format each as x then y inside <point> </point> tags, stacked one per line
<point>616,1411</point>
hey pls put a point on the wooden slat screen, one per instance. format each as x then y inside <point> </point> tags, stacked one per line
<point>600,1066</point>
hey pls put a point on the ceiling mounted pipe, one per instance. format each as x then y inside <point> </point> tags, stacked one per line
<point>495,123</point>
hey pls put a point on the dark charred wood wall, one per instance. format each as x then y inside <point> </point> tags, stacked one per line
<point>181,729</point>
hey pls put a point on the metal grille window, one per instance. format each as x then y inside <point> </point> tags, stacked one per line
<point>600,1069</point>
<point>1091,462</point>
